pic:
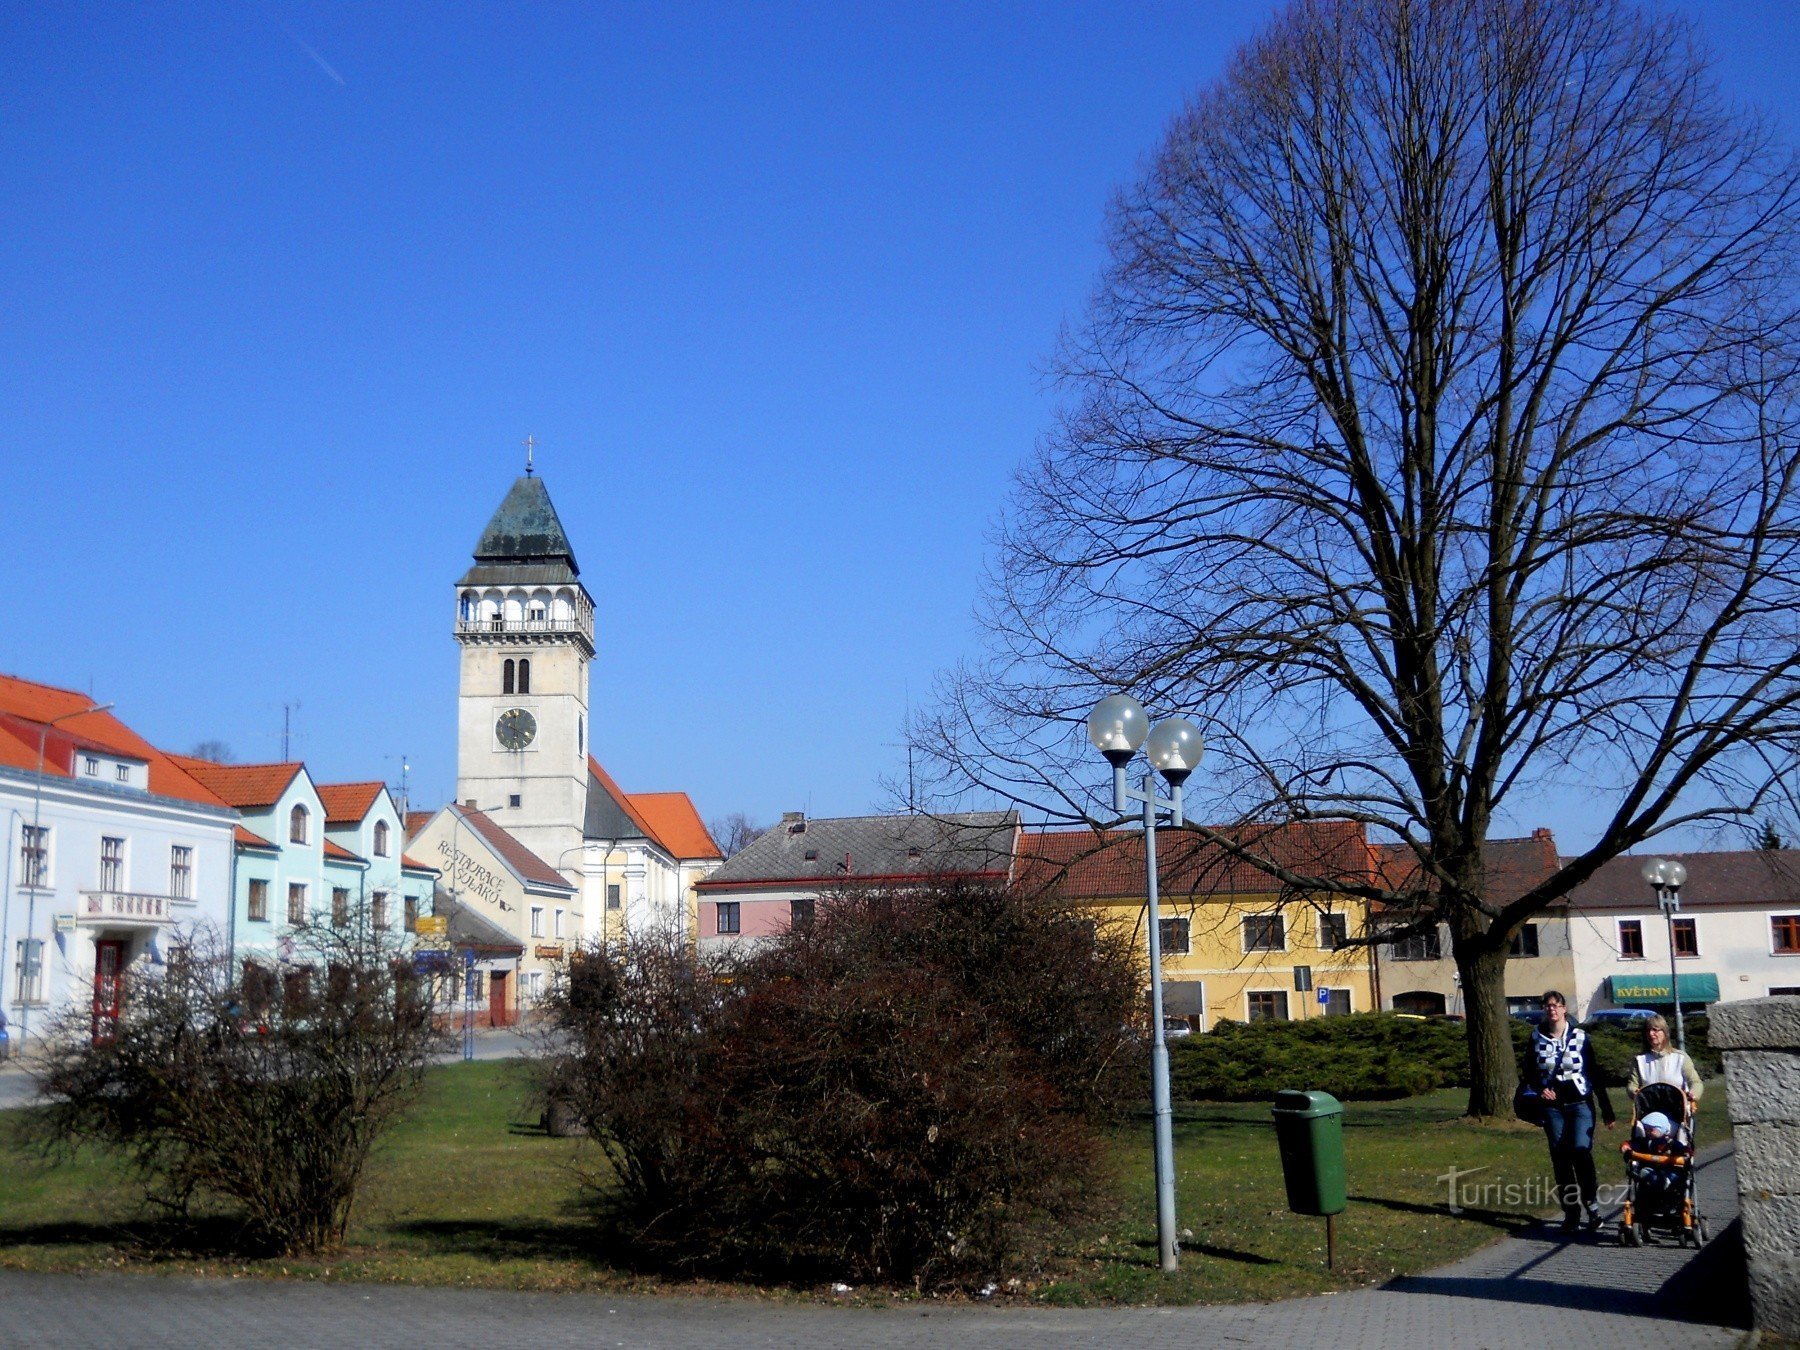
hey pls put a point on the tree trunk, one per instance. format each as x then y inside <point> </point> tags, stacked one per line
<point>1493,1066</point>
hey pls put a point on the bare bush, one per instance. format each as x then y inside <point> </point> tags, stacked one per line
<point>903,1090</point>
<point>263,1093</point>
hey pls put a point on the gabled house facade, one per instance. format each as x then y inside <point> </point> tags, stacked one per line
<point>781,875</point>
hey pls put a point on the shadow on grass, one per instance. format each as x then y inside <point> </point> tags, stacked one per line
<point>1506,1221</point>
<point>514,1239</point>
<point>212,1237</point>
<point>1148,1246</point>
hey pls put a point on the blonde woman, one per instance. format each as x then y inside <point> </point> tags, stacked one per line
<point>1661,1062</point>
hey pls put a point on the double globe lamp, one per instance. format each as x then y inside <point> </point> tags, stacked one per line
<point>1117,727</point>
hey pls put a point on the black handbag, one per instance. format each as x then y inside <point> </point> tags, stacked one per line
<point>1528,1106</point>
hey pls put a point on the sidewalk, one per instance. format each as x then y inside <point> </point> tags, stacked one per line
<point>1524,1292</point>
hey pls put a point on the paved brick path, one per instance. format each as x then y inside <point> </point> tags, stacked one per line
<point>1526,1292</point>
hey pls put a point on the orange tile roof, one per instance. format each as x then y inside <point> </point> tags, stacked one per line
<point>338,851</point>
<point>241,785</point>
<point>412,864</point>
<point>623,798</point>
<point>676,825</point>
<point>246,839</point>
<point>38,704</point>
<point>416,821</point>
<point>348,803</point>
<point>1095,865</point>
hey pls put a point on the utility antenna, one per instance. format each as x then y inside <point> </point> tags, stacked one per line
<point>530,448</point>
<point>287,725</point>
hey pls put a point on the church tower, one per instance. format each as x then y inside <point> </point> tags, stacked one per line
<point>525,625</point>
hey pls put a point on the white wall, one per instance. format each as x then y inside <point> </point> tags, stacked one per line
<point>1734,940</point>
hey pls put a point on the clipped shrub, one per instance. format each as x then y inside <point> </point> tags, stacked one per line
<point>263,1097</point>
<point>902,1091</point>
<point>1361,1056</point>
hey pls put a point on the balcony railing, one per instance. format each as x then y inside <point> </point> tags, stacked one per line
<point>126,907</point>
<point>477,626</point>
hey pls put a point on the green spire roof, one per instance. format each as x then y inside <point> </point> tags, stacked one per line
<point>525,529</point>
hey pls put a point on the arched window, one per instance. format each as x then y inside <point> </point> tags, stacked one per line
<point>524,676</point>
<point>506,678</point>
<point>381,839</point>
<point>297,825</point>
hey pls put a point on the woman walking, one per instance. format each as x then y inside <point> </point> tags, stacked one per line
<point>1567,1083</point>
<point>1661,1062</point>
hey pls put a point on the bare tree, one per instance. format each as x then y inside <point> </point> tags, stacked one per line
<point>1431,440</point>
<point>734,831</point>
<point>218,752</point>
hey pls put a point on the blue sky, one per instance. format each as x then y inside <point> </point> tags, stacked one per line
<point>286,284</point>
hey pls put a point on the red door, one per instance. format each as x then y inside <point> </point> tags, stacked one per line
<point>109,987</point>
<point>499,1014</point>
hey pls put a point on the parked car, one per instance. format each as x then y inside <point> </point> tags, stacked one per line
<point>1530,1016</point>
<point>1618,1017</point>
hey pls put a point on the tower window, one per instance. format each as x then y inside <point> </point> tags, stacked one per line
<point>506,677</point>
<point>524,676</point>
<point>297,825</point>
<point>381,839</point>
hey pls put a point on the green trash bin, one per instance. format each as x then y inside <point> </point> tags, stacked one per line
<point>1309,1128</point>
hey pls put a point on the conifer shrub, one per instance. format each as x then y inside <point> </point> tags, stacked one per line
<point>1361,1056</point>
<point>905,1090</point>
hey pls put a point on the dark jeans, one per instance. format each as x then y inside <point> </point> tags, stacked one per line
<point>1569,1126</point>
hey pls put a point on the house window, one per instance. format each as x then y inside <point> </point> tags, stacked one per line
<point>122,772</point>
<point>34,855</point>
<point>410,913</point>
<point>506,677</point>
<point>612,895</point>
<point>181,872</point>
<point>537,921</point>
<point>1173,935</point>
<point>1423,946</point>
<point>1784,934</point>
<point>1268,1005</point>
<point>1631,939</point>
<point>1687,937</point>
<point>382,843</point>
<point>556,924</point>
<point>378,911</point>
<point>112,863</point>
<point>340,906</point>
<point>297,825</point>
<point>296,902</point>
<point>1784,990</point>
<point>1264,933</point>
<point>90,766</point>
<point>1334,931</point>
<point>1524,942</point>
<point>28,971</point>
<point>259,900</point>
<point>1336,1003</point>
<point>514,799</point>
<point>728,916</point>
<point>524,676</point>
<point>800,911</point>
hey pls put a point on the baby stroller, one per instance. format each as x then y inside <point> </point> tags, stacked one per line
<point>1659,1170</point>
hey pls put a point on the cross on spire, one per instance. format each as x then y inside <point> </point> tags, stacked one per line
<point>530,447</point>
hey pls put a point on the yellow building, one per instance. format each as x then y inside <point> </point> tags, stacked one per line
<point>1236,943</point>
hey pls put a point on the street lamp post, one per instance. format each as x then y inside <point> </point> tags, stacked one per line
<point>1666,876</point>
<point>35,876</point>
<point>1117,727</point>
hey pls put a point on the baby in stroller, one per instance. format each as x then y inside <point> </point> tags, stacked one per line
<point>1659,1168</point>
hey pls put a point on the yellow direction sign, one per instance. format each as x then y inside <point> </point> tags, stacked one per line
<point>431,925</point>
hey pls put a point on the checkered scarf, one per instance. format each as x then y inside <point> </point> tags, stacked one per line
<point>1562,1058</point>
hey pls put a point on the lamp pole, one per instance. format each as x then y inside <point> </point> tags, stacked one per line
<point>34,951</point>
<point>1666,876</point>
<point>1117,727</point>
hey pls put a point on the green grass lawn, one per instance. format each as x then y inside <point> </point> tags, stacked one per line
<point>469,1192</point>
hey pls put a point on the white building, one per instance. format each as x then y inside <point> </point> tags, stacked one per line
<point>1736,935</point>
<point>115,857</point>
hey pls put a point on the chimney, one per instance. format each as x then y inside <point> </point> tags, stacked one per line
<point>1540,833</point>
<point>795,821</point>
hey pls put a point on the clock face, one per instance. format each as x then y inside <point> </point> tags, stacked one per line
<point>516,728</point>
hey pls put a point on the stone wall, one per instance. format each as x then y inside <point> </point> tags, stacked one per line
<point>1760,1039</point>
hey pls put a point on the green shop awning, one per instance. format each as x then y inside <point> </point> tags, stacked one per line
<point>1625,989</point>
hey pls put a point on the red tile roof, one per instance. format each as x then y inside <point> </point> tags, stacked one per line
<point>29,706</point>
<point>244,786</point>
<point>1513,866</point>
<point>623,798</point>
<point>416,821</point>
<point>245,839</point>
<point>348,803</point>
<point>342,854</point>
<point>521,859</point>
<point>412,864</point>
<point>1097,865</point>
<point>676,825</point>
